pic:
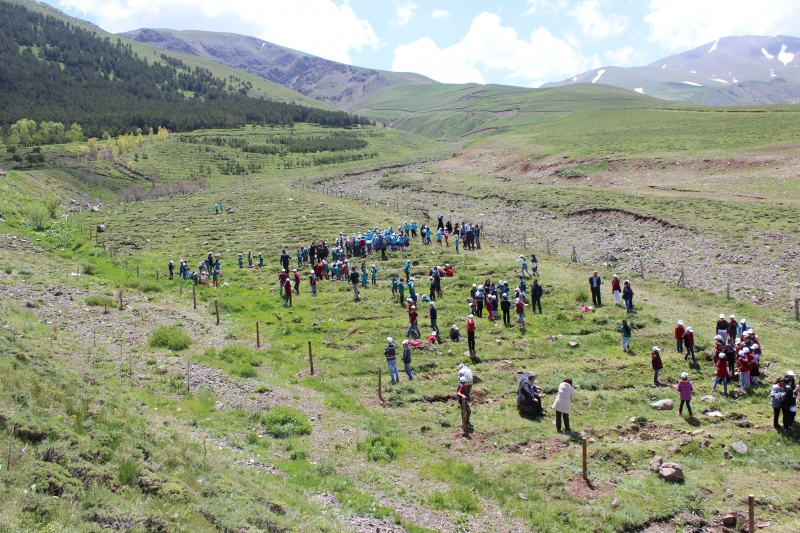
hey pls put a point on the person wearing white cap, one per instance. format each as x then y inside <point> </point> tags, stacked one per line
<point>433,338</point>
<point>744,368</point>
<point>616,290</point>
<point>524,266</point>
<point>171,268</point>
<point>390,351</point>
<point>688,342</point>
<point>685,390</point>
<point>721,373</point>
<point>455,335</point>
<point>462,394</point>
<point>722,328</point>
<point>655,360</point>
<point>680,331</point>
<point>743,327</point>
<point>520,309</point>
<point>733,327</point>
<point>465,377</point>
<point>471,335</point>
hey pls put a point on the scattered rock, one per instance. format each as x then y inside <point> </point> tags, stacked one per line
<point>706,443</point>
<point>727,454</point>
<point>573,344</point>
<point>739,447</point>
<point>553,338</point>
<point>655,463</point>
<point>662,405</point>
<point>615,503</point>
<point>697,432</point>
<point>671,472</point>
<point>738,393</point>
<point>32,305</point>
<point>729,520</point>
<point>708,399</point>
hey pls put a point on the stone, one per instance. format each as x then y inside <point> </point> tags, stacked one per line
<point>697,432</point>
<point>662,405</point>
<point>706,443</point>
<point>32,305</point>
<point>738,393</point>
<point>615,503</point>
<point>708,399</point>
<point>573,344</point>
<point>739,447</point>
<point>655,463</point>
<point>672,472</point>
<point>727,454</point>
<point>729,520</point>
<point>553,338</point>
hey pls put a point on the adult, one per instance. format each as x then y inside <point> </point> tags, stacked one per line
<point>285,261</point>
<point>433,314</point>
<point>536,296</point>
<point>463,401</point>
<point>354,281</point>
<point>616,290</point>
<point>465,377</point>
<point>655,360</point>
<point>455,335</point>
<point>440,221</point>
<point>722,327</point>
<point>688,341</point>
<point>407,359</point>
<point>477,237</point>
<point>505,305</point>
<point>528,398</point>
<point>680,331</point>
<point>594,284</point>
<point>471,334</point>
<point>776,398</point>
<point>789,404</point>
<point>390,351</point>
<point>627,296</point>
<point>564,397</point>
<point>627,333</point>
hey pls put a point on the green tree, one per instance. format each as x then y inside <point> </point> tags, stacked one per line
<point>75,134</point>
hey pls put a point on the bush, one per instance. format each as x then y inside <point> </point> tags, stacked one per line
<point>380,449</point>
<point>128,472</point>
<point>143,286</point>
<point>243,370</point>
<point>99,301</point>
<point>53,479</point>
<point>52,204</point>
<point>283,422</point>
<point>171,338</point>
<point>581,296</point>
<point>458,499</point>
<point>38,217</point>
<point>240,354</point>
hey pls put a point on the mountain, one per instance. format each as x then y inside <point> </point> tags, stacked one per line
<point>715,68</point>
<point>53,71</point>
<point>343,86</point>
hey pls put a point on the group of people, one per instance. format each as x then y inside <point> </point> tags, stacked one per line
<point>207,272</point>
<point>622,293</point>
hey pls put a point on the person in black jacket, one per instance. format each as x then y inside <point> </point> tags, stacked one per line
<point>285,261</point>
<point>789,403</point>
<point>594,284</point>
<point>407,359</point>
<point>528,398</point>
<point>354,280</point>
<point>536,296</point>
<point>505,305</point>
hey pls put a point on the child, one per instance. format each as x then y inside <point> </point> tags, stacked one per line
<point>685,390</point>
<point>394,285</point>
<point>655,359</point>
<point>215,278</point>
<point>744,368</point>
<point>433,339</point>
<point>457,242</point>
<point>374,274</point>
<point>241,261</point>
<point>296,281</point>
<point>364,277</point>
<point>520,307</point>
<point>688,342</point>
<point>534,265</point>
<point>401,289</point>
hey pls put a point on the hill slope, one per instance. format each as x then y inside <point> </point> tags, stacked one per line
<point>343,86</point>
<point>711,67</point>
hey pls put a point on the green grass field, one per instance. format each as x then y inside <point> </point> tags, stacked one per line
<point>81,399</point>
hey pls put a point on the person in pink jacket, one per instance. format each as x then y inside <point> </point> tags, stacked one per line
<point>685,390</point>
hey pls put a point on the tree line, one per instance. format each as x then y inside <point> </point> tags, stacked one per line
<point>283,144</point>
<point>53,71</point>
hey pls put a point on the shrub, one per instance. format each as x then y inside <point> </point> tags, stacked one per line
<point>128,472</point>
<point>283,422</point>
<point>52,204</point>
<point>458,499</point>
<point>380,449</point>
<point>581,296</point>
<point>240,354</point>
<point>243,370</point>
<point>171,338</point>
<point>53,479</point>
<point>38,217</point>
<point>99,301</point>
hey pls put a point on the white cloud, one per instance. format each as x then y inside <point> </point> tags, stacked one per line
<point>594,24</point>
<point>489,46</point>
<point>405,11</point>
<point>440,14</point>
<point>543,6</point>
<point>318,27</point>
<point>624,57</point>
<point>682,24</point>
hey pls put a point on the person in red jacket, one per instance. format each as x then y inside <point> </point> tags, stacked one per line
<point>296,281</point>
<point>412,322</point>
<point>688,341</point>
<point>680,331</point>
<point>488,304</point>
<point>721,374</point>
<point>471,334</point>
<point>655,359</point>
<point>282,277</point>
<point>287,291</point>
<point>744,365</point>
<point>616,290</point>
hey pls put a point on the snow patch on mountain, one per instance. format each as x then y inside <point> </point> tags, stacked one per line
<point>574,79</point>
<point>767,54</point>
<point>692,83</point>
<point>714,47</point>
<point>639,90</point>
<point>717,79</point>
<point>785,57</point>
<point>599,73</point>
<point>665,66</point>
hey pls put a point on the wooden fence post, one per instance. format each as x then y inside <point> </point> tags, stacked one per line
<point>548,246</point>
<point>797,309</point>
<point>156,275</point>
<point>258,336</point>
<point>137,271</point>
<point>188,373</point>
<point>310,358</point>
<point>751,514</point>
<point>194,295</point>
<point>216,307</point>
<point>585,470</point>
<point>729,291</point>
<point>641,267</point>
<point>380,386</point>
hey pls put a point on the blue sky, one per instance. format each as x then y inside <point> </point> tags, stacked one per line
<point>516,42</point>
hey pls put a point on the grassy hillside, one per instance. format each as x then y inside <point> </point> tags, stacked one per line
<point>101,410</point>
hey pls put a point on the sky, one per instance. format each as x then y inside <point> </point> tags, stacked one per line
<point>513,42</point>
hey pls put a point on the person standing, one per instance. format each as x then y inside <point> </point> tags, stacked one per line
<point>463,402</point>
<point>471,334</point>
<point>412,322</point>
<point>594,284</point>
<point>374,274</point>
<point>354,282</point>
<point>680,331</point>
<point>627,333</point>
<point>390,351</point>
<point>401,290</point>
<point>241,260</point>
<point>721,373</point>
<point>171,269</point>
<point>733,327</point>
<point>296,281</point>
<point>411,292</point>
<point>688,341</point>
<point>536,296</point>
<point>722,327</point>
<point>215,278</point>
<point>287,293</point>
<point>520,309</point>
<point>505,305</point>
<point>655,360</point>
<point>744,368</point>
<point>407,359</point>
<point>776,398</point>
<point>249,258</point>
<point>260,260</point>
<point>534,265</point>
<point>284,261</point>
<point>685,390</point>
<point>465,377</point>
<point>627,296</point>
<point>789,404</point>
<point>564,397</point>
<point>433,314</point>
<point>616,290</point>
<point>479,295</point>
<point>312,281</point>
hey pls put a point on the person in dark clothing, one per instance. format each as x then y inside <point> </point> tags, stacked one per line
<point>407,359</point>
<point>171,269</point>
<point>354,280</point>
<point>528,398</point>
<point>730,355</point>
<point>441,223</point>
<point>594,284</point>
<point>505,306</point>
<point>449,227</point>
<point>285,261</point>
<point>536,296</point>
<point>789,403</point>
